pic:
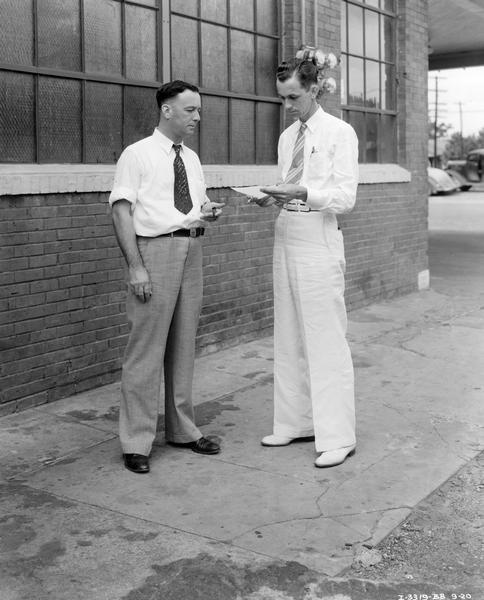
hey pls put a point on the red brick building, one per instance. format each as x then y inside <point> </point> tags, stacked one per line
<point>78,79</point>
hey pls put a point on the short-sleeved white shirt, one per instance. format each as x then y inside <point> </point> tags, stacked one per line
<point>145,178</point>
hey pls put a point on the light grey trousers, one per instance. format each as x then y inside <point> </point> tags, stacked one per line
<point>162,341</point>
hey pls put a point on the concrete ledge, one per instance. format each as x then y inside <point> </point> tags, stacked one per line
<point>383,173</point>
<point>19,179</point>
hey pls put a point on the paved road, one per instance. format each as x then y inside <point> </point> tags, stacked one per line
<point>456,243</point>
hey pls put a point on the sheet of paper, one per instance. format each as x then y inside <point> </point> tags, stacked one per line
<point>252,191</point>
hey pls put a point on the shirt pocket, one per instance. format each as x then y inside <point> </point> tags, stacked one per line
<point>319,164</point>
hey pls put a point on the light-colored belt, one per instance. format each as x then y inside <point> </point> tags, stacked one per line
<point>297,208</point>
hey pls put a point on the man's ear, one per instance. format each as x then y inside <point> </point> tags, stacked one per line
<point>166,111</point>
<point>314,90</point>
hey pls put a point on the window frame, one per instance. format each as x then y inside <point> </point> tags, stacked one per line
<point>227,93</point>
<point>380,113</point>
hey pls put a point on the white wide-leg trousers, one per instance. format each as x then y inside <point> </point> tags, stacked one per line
<point>162,341</point>
<point>313,370</point>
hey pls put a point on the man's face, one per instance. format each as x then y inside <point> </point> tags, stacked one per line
<point>183,113</point>
<point>298,101</point>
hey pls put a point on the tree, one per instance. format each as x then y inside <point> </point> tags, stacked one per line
<point>459,146</point>
<point>442,129</point>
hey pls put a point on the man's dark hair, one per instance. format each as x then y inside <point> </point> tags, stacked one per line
<point>172,89</point>
<point>305,70</point>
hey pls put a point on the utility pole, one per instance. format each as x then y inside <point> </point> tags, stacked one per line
<point>461,131</point>
<point>436,116</point>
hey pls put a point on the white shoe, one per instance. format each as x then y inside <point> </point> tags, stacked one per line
<point>334,457</point>
<point>276,440</point>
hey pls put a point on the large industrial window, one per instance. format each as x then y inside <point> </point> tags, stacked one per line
<point>78,77</point>
<point>229,48</point>
<point>368,85</point>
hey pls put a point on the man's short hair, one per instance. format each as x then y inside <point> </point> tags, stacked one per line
<point>305,71</point>
<point>172,89</point>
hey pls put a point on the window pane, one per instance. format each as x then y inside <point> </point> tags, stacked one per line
<point>140,113</point>
<point>388,139</point>
<point>372,84</point>
<point>267,127</point>
<point>267,17</point>
<point>344,45</point>
<point>17,141</point>
<point>242,14</point>
<point>242,62</point>
<point>344,83</point>
<point>355,83</point>
<point>371,35</point>
<point>60,132</point>
<point>187,7</point>
<point>17,39</point>
<point>141,43</point>
<point>214,10</point>
<point>102,36</point>
<point>388,87</point>
<point>375,3</point>
<point>104,118</point>
<point>242,129</point>
<point>266,66</point>
<point>214,131</point>
<point>388,39</point>
<point>184,49</point>
<point>59,34</point>
<point>389,5</point>
<point>214,52</point>
<point>357,121</point>
<point>355,29</point>
<point>371,138</point>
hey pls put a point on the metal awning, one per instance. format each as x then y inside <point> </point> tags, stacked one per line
<point>456,33</point>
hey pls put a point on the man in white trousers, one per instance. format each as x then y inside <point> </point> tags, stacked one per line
<point>313,370</point>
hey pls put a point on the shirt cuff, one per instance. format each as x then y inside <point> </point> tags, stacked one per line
<point>122,193</point>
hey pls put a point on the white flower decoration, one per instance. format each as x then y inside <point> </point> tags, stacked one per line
<point>329,85</point>
<point>323,62</point>
<point>321,58</point>
<point>331,61</point>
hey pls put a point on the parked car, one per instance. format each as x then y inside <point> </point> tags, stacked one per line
<point>459,179</point>
<point>472,167</point>
<point>440,182</point>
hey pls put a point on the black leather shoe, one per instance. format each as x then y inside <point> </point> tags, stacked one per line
<point>138,463</point>
<point>201,446</point>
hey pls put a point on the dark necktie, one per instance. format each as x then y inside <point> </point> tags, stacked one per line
<point>183,201</point>
<point>296,168</point>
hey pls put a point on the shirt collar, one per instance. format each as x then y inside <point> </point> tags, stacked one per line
<point>164,141</point>
<point>314,119</point>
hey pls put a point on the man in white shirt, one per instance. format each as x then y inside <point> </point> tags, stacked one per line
<point>313,370</point>
<point>159,210</point>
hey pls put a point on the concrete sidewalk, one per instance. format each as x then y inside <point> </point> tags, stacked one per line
<point>251,522</point>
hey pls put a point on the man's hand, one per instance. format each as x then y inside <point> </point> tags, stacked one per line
<point>211,211</point>
<point>264,201</point>
<point>139,282</point>
<point>285,192</point>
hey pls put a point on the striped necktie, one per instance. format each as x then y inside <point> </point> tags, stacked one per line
<point>295,171</point>
<point>183,201</point>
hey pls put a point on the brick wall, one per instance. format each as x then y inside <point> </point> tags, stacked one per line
<point>62,321</point>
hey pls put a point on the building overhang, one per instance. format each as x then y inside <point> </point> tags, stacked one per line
<point>456,34</point>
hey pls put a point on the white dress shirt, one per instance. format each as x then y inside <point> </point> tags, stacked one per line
<point>330,172</point>
<point>145,178</point>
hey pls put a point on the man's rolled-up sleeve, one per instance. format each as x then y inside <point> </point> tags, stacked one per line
<point>126,179</point>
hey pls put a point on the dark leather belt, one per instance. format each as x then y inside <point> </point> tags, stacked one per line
<point>193,232</point>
